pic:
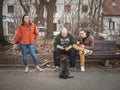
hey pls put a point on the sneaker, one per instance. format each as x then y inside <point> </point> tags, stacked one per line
<point>57,68</point>
<point>26,70</point>
<point>83,69</point>
<point>38,69</point>
<point>86,52</point>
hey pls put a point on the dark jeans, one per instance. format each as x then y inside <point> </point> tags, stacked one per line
<point>70,53</point>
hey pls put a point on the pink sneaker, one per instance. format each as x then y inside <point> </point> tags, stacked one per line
<point>26,70</point>
<point>38,69</point>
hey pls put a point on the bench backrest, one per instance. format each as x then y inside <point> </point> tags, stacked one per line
<point>101,45</point>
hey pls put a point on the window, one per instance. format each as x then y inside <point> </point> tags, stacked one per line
<point>114,4</point>
<point>67,8</point>
<point>111,25</point>
<point>84,8</point>
<point>10,9</point>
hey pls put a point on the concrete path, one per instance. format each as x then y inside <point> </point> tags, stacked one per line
<point>92,79</point>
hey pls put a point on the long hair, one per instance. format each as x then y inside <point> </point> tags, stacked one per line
<point>24,21</point>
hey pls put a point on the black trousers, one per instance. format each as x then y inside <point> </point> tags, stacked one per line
<point>71,53</point>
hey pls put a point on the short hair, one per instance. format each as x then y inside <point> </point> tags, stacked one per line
<point>81,29</point>
<point>64,30</point>
<point>86,31</point>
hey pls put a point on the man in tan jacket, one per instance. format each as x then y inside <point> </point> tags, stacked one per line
<point>85,45</point>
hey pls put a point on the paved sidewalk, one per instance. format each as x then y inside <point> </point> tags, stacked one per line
<point>92,79</point>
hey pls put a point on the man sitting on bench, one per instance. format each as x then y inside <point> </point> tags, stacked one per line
<point>63,45</point>
<point>84,44</point>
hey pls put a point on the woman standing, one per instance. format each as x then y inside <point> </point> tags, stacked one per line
<point>25,36</point>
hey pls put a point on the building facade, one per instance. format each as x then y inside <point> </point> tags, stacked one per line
<point>111,19</point>
<point>69,13</point>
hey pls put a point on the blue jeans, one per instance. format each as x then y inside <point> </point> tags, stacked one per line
<point>31,49</point>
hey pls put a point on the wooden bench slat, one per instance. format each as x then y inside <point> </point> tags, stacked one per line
<point>103,50</point>
<point>105,45</point>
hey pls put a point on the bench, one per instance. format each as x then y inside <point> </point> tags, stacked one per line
<point>103,50</point>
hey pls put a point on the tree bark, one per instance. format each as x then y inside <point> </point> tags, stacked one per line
<point>25,10</point>
<point>39,12</point>
<point>78,15</point>
<point>50,12</point>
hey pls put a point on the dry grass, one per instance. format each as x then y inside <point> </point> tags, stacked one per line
<point>42,46</point>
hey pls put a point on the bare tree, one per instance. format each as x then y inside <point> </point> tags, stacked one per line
<point>24,5</point>
<point>39,12</point>
<point>95,14</point>
<point>78,19</point>
<point>78,25</point>
<point>50,6</point>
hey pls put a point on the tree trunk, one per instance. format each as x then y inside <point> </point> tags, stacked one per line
<point>2,39</point>
<point>78,15</point>
<point>98,17</point>
<point>50,12</point>
<point>39,11</point>
<point>25,10</point>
